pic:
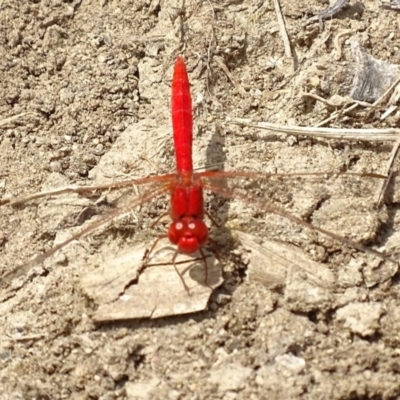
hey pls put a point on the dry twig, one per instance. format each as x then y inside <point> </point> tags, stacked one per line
<point>224,68</point>
<point>282,28</point>
<point>8,120</point>
<point>389,172</point>
<point>365,135</point>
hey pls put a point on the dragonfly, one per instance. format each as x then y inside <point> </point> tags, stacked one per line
<point>188,230</point>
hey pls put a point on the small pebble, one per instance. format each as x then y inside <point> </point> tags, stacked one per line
<point>55,166</point>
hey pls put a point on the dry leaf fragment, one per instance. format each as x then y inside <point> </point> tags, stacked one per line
<point>271,261</point>
<point>158,292</point>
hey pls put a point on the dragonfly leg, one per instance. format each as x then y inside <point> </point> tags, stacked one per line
<point>212,219</point>
<point>157,221</point>
<point>146,255</point>
<point>146,261</point>
<point>177,271</point>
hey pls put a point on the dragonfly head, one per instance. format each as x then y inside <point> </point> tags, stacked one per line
<point>188,233</point>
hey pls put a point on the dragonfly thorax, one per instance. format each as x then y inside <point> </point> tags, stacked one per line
<point>188,233</point>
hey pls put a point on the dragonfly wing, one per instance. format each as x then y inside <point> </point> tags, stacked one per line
<point>257,194</point>
<point>89,190</point>
<point>337,202</point>
<point>92,227</point>
<point>303,185</point>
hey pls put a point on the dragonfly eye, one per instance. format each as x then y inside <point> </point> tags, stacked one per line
<point>189,234</point>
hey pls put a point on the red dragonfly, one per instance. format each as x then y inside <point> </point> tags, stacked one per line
<point>188,230</point>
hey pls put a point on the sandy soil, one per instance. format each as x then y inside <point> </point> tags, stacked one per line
<point>85,89</point>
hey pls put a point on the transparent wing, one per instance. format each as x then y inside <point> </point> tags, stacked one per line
<point>288,187</point>
<point>340,206</point>
<point>157,188</point>
<point>89,190</point>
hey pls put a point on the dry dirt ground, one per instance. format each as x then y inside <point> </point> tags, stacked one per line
<point>85,89</point>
